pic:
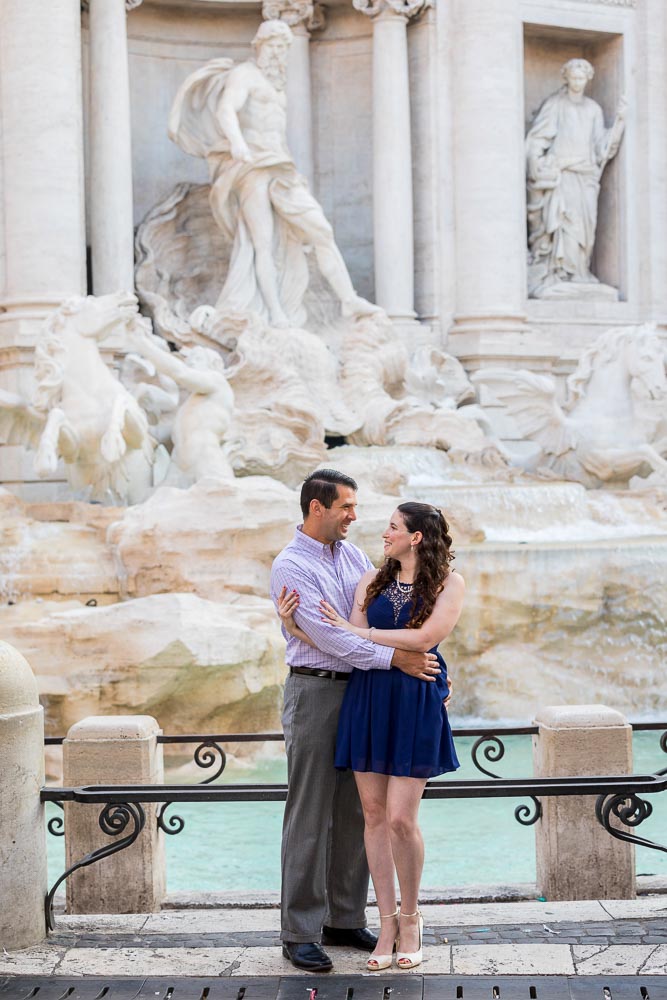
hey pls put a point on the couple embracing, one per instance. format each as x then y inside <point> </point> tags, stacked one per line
<point>365,721</point>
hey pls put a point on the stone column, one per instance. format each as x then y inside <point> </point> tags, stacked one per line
<point>489,176</point>
<point>576,857</point>
<point>42,153</point>
<point>392,156</point>
<point>303,17</point>
<point>22,835</point>
<point>652,89</point>
<point>111,206</point>
<point>113,750</point>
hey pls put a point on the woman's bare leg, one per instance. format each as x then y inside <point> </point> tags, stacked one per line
<point>407,847</point>
<point>373,794</point>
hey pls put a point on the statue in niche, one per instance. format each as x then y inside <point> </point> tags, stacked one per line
<point>612,426</point>
<point>567,150</point>
<point>234,115</point>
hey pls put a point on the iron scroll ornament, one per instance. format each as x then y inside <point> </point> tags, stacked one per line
<point>205,755</point>
<point>113,820</point>
<point>56,825</point>
<point>495,751</point>
<point>631,810</point>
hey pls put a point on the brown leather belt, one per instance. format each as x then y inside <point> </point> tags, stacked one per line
<point>332,675</point>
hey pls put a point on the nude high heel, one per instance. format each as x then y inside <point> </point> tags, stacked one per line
<point>407,959</point>
<point>379,962</point>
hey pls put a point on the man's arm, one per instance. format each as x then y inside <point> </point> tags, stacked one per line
<point>351,649</point>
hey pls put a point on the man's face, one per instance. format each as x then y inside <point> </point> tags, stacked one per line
<point>335,521</point>
<point>576,80</point>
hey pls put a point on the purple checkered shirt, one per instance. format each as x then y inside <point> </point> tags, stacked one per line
<point>315,572</point>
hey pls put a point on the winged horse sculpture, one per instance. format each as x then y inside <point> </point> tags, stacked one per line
<point>80,411</point>
<point>613,424</point>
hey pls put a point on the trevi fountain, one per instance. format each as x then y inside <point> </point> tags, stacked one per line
<point>422,243</point>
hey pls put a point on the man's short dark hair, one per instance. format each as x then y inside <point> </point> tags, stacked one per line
<point>323,486</point>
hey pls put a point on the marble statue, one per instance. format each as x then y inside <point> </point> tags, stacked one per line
<point>567,150</point>
<point>351,379</point>
<point>80,411</point>
<point>234,115</point>
<point>201,423</point>
<point>613,425</point>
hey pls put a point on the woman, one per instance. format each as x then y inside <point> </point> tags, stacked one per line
<point>393,729</point>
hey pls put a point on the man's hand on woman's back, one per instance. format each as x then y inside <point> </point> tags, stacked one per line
<point>421,665</point>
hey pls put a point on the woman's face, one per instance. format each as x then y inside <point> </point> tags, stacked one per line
<point>397,538</point>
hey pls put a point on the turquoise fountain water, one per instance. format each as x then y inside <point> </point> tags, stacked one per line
<point>236,846</point>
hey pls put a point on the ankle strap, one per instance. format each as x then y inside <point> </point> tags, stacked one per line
<point>388,916</point>
<point>409,914</point>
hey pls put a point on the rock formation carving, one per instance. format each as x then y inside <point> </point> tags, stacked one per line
<point>613,425</point>
<point>353,378</point>
<point>567,150</point>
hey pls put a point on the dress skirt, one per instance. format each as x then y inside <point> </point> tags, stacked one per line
<point>391,723</point>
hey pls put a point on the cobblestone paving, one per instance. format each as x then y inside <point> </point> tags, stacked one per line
<point>602,934</point>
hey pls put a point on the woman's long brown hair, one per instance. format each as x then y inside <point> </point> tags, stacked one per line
<point>434,555</point>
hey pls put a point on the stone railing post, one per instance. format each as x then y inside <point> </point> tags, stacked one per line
<point>576,857</point>
<point>113,750</point>
<point>22,834</point>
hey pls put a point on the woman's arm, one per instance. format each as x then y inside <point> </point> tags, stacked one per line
<point>437,626</point>
<point>287,605</point>
<point>288,602</point>
<point>358,621</point>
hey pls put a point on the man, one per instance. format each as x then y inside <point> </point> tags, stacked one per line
<point>324,871</point>
<point>567,149</point>
<point>235,116</point>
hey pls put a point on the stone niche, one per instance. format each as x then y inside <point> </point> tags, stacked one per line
<point>546,49</point>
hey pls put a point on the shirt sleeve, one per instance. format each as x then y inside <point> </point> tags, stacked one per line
<point>351,649</point>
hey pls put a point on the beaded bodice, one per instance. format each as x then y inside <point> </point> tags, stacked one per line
<point>398,595</point>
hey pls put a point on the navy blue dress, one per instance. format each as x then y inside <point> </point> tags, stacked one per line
<point>391,723</point>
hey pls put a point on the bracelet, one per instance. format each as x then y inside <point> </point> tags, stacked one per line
<point>370,632</point>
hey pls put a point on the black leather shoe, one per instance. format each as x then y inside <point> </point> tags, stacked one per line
<point>307,955</point>
<point>357,937</point>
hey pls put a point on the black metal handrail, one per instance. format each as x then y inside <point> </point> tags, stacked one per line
<point>279,737</point>
<point>617,796</point>
<point>209,752</point>
<point>495,788</point>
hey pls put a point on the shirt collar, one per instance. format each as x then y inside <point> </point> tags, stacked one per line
<point>311,545</point>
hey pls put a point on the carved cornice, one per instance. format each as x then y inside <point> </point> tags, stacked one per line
<point>129,4</point>
<point>404,8</point>
<point>294,12</point>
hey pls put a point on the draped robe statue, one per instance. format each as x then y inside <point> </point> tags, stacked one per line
<point>234,115</point>
<point>567,149</point>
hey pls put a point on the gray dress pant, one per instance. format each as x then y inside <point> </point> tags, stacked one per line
<point>324,868</point>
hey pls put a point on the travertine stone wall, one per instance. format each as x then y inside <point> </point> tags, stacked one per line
<point>341,58</point>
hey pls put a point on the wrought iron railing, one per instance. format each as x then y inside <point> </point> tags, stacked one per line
<point>617,796</point>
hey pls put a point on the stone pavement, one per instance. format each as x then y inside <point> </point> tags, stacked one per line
<point>592,938</point>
